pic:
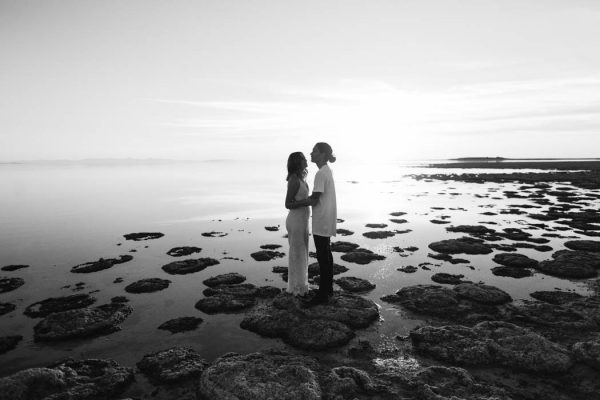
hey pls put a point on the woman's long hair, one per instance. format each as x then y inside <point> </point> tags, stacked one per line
<point>295,165</point>
<point>326,148</point>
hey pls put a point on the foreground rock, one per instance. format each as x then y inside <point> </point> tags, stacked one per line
<point>183,251</point>
<point>182,324</point>
<point>58,304</point>
<point>352,284</point>
<point>148,285</point>
<point>361,256</point>
<point>515,260</point>
<point>465,245</point>
<point>7,343</point>
<point>571,264</point>
<point>492,343</point>
<point>71,379</point>
<point>267,375</point>
<point>10,284</point>
<point>233,298</point>
<point>320,327</point>
<point>94,266</point>
<point>143,236</point>
<point>224,279</point>
<point>172,365</point>
<point>483,294</point>
<point>189,266</point>
<point>83,322</point>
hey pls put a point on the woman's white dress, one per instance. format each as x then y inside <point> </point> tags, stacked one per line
<point>297,228</point>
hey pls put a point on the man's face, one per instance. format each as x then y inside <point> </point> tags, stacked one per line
<point>315,155</point>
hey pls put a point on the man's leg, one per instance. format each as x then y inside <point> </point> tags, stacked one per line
<point>325,259</point>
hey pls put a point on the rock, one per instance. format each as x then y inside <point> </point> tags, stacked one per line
<point>571,264</point>
<point>585,245</point>
<point>270,246</point>
<point>397,214</point>
<point>10,284</point>
<point>213,234</point>
<point>512,272</point>
<point>314,270</point>
<point>82,322</point>
<point>347,383</point>
<point>58,304</point>
<point>148,285</point>
<point>492,343</point>
<point>13,267</point>
<point>409,269</point>
<point>452,383</point>
<point>231,298</point>
<point>427,299</point>
<point>447,257</point>
<point>318,334</point>
<point>352,284</point>
<point>172,365</point>
<point>484,294</point>
<point>376,225</point>
<point>183,251</point>
<point>588,352</point>
<point>343,247</point>
<point>398,221</point>
<point>361,256</point>
<point>378,234</point>
<point>438,221</point>
<point>7,343</point>
<point>555,296</point>
<point>462,245</point>
<point>5,308</point>
<point>272,228</point>
<point>225,279</point>
<point>515,260</point>
<point>472,229</point>
<point>447,278</point>
<point>542,248</point>
<point>143,236</point>
<point>266,255</point>
<point>119,299</point>
<point>189,266</point>
<point>181,324</point>
<point>555,318</point>
<point>94,266</point>
<point>71,379</point>
<point>267,375</point>
<point>344,232</point>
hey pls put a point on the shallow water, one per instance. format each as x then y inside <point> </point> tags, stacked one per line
<point>55,216</point>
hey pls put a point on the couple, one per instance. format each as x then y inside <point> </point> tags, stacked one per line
<point>324,221</point>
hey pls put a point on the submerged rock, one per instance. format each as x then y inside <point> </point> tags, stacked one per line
<point>172,365</point>
<point>57,304</point>
<point>148,285</point>
<point>189,266</point>
<point>361,256</point>
<point>7,343</point>
<point>10,284</point>
<point>515,260</point>
<point>492,343</point>
<point>82,322</point>
<point>101,264</point>
<point>143,236</point>
<point>225,279</point>
<point>267,375</point>
<point>5,308</point>
<point>181,324</point>
<point>352,284</point>
<point>266,255</point>
<point>71,379</point>
<point>466,245</point>
<point>183,251</point>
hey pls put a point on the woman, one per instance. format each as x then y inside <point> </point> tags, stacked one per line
<point>297,223</point>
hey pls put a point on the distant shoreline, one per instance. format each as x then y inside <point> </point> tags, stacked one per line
<point>583,164</point>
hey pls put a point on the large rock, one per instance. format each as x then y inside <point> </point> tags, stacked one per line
<point>233,298</point>
<point>101,264</point>
<point>483,294</point>
<point>82,322</point>
<point>571,264</point>
<point>585,245</point>
<point>571,317</point>
<point>10,284</point>
<point>261,376</point>
<point>71,379</point>
<point>189,266</point>
<point>8,343</point>
<point>58,304</point>
<point>492,343</point>
<point>515,260</point>
<point>465,245</point>
<point>426,299</point>
<point>172,365</point>
<point>148,285</point>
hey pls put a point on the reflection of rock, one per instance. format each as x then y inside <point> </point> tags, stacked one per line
<point>267,375</point>
<point>183,251</point>
<point>585,245</point>
<point>5,308</point>
<point>512,272</point>
<point>71,379</point>
<point>555,296</point>
<point>466,245</point>
<point>101,264</point>
<point>172,365</point>
<point>181,324</point>
<point>266,255</point>
<point>13,267</point>
<point>225,279</point>
<point>378,234</point>
<point>447,278</point>
<point>148,285</point>
<point>483,294</point>
<point>56,304</point>
<point>81,322</point>
<point>352,284</point>
<point>361,256</point>
<point>189,266</point>
<point>492,343</point>
<point>515,260</point>
<point>7,343</point>
<point>143,236</point>
<point>343,247</point>
<point>10,284</point>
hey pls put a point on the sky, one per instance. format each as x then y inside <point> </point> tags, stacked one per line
<point>259,79</point>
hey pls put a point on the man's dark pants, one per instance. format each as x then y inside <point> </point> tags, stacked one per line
<point>325,259</point>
